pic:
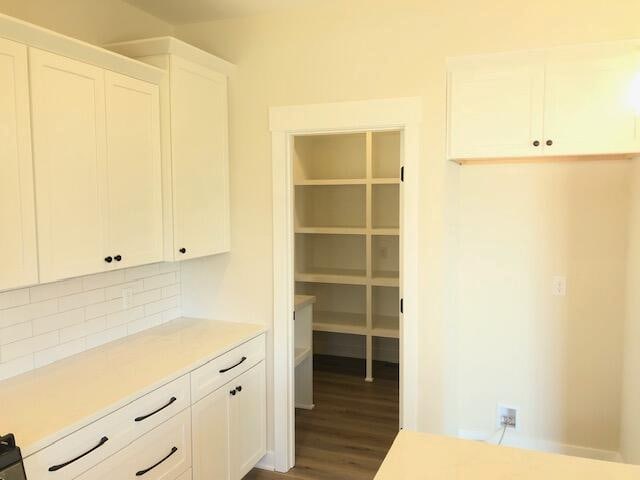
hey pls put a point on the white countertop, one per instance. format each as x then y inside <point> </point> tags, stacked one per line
<point>420,456</point>
<point>46,404</point>
<point>302,301</point>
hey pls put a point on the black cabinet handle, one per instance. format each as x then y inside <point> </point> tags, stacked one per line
<point>117,258</point>
<point>108,259</point>
<point>232,392</point>
<point>103,440</point>
<point>146,470</point>
<point>183,250</point>
<point>239,388</point>
<point>549,142</point>
<point>232,366</point>
<point>536,143</point>
<point>144,417</point>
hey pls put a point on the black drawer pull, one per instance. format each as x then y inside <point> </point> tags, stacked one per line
<point>103,440</point>
<point>146,470</point>
<point>233,366</point>
<point>144,417</point>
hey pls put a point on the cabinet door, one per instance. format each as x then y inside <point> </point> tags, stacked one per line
<point>210,427</point>
<point>133,182</point>
<point>18,256</point>
<point>248,423</point>
<point>496,111</point>
<point>592,100</point>
<point>69,157</point>
<point>199,134</point>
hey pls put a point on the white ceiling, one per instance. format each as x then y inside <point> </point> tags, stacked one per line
<point>190,11</point>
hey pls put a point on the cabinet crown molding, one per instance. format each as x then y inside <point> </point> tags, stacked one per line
<point>172,46</point>
<point>34,36</point>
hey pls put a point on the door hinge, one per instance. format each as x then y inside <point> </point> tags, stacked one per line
<point>402,305</point>
<point>294,314</point>
<point>402,173</point>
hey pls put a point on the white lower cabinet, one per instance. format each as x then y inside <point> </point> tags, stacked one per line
<point>162,454</point>
<point>229,428</point>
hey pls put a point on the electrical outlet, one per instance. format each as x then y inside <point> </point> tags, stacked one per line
<point>559,286</point>
<point>507,416</point>
<point>127,298</point>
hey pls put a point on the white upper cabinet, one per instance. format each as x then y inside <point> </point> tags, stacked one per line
<point>18,257</point>
<point>592,100</point>
<point>496,110</point>
<point>96,138</point>
<point>199,149</point>
<point>70,164</point>
<point>133,174</point>
<point>195,145</point>
<point>567,101</point>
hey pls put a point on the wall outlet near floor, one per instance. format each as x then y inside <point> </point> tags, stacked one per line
<point>559,286</point>
<point>508,416</point>
<point>127,298</point>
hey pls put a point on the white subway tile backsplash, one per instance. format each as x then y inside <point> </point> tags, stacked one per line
<point>15,332</point>
<point>58,321</point>
<point>46,323</point>
<point>55,290</point>
<point>63,350</point>
<point>97,339</point>
<point>16,367</point>
<point>28,346</point>
<point>28,312</point>
<point>84,329</point>
<point>81,299</point>
<point>102,280</point>
<point>14,298</point>
<point>126,316</point>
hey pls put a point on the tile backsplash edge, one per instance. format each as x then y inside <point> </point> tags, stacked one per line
<point>45,323</point>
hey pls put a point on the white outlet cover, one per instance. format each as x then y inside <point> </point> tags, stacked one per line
<point>503,410</point>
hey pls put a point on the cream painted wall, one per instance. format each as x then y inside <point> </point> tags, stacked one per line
<point>630,420</point>
<point>94,21</point>
<point>365,49</point>
<point>557,358</point>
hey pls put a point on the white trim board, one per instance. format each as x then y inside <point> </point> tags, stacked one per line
<point>404,114</point>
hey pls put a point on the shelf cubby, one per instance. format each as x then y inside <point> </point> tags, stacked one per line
<point>338,308</point>
<point>385,256</point>
<point>320,256</point>
<point>385,311</point>
<point>385,154</point>
<point>385,206</point>
<point>330,157</point>
<point>335,206</point>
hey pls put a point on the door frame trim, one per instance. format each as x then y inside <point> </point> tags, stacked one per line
<point>404,114</point>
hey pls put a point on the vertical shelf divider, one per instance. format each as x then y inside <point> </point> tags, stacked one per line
<point>369,257</point>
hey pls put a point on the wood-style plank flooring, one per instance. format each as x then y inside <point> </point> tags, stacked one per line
<point>348,433</point>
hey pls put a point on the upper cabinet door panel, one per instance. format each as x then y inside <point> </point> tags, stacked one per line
<point>199,159</point>
<point>134,180</point>
<point>592,100</point>
<point>18,256</point>
<point>69,156</point>
<point>496,110</point>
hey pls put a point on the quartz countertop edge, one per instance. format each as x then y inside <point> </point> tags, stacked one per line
<point>202,332</point>
<point>418,456</point>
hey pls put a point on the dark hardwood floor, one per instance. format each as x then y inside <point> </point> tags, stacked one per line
<point>348,433</point>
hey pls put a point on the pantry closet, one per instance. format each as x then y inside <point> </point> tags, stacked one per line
<point>347,241</point>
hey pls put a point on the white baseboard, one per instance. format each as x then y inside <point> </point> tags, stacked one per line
<point>305,407</point>
<point>518,441</point>
<point>268,462</point>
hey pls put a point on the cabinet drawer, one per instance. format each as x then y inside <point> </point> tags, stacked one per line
<point>88,446</point>
<point>161,454</point>
<point>219,371</point>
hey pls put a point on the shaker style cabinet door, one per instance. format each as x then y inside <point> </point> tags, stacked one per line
<point>18,256</point>
<point>592,100</point>
<point>199,147</point>
<point>495,110</point>
<point>248,421</point>
<point>70,162</point>
<point>210,430</point>
<point>133,227</point>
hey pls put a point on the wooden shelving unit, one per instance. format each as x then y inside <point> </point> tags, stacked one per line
<point>348,232</point>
